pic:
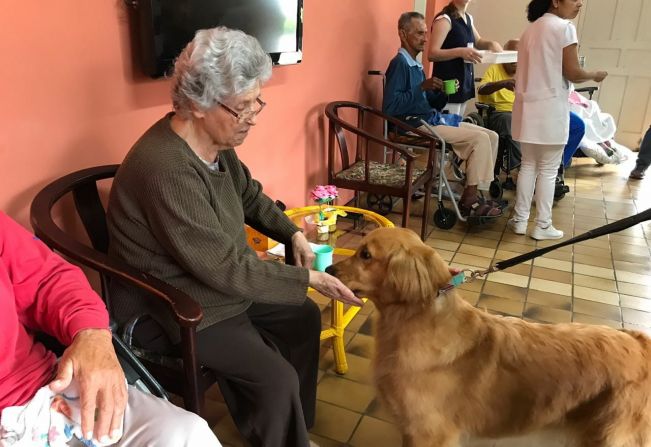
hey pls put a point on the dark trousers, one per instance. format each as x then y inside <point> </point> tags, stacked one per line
<point>644,156</point>
<point>267,361</point>
<point>500,123</point>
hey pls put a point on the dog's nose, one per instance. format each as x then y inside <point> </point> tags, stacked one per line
<point>330,270</point>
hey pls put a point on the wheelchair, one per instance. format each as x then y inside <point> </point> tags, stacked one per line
<point>504,163</point>
<point>444,218</point>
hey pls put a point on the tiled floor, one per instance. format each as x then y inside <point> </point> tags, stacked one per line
<point>602,281</point>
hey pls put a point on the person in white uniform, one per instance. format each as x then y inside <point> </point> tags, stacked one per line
<point>547,63</point>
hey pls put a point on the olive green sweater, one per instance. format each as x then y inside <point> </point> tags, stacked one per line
<point>169,215</point>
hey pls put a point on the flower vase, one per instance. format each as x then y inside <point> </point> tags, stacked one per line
<point>331,219</point>
<point>322,231</point>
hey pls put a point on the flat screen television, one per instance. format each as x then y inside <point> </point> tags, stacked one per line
<point>166,26</point>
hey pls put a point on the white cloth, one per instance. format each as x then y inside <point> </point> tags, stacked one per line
<point>458,108</point>
<point>148,422</point>
<point>48,420</point>
<point>538,171</point>
<point>541,110</point>
<point>600,129</point>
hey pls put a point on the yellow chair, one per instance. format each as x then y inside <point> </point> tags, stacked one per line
<point>340,318</point>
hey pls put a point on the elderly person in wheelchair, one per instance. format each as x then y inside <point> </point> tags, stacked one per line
<point>83,398</point>
<point>410,96</point>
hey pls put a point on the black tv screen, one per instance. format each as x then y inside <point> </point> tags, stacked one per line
<point>166,26</point>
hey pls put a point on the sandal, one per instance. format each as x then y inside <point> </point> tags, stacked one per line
<point>500,203</point>
<point>480,209</point>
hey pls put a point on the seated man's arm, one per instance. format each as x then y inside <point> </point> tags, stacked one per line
<point>54,296</point>
<point>492,81</point>
<point>403,95</point>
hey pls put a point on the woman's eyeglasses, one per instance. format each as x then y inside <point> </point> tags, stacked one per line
<point>246,114</point>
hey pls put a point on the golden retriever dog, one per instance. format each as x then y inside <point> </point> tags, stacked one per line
<point>446,369</point>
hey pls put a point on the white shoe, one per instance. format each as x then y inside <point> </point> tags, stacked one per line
<point>550,232</point>
<point>518,227</point>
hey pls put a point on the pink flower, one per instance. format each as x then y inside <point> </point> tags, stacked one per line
<point>324,194</point>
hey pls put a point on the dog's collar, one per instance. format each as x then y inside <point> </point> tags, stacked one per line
<point>455,281</point>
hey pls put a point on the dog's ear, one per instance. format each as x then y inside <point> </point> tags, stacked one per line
<point>417,275</point>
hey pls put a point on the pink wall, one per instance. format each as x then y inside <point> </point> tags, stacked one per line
<point>72,97</point>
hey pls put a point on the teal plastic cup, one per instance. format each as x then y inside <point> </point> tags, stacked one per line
<point>323,257</point>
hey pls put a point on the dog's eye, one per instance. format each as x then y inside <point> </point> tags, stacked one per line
<point>364,254</point>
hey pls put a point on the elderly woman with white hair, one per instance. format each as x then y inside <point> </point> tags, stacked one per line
<point>177,210</point>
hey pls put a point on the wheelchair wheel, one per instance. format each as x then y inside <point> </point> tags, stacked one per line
<point>495,189</point>
<point>474,118</point>
<point>381,204</point>
<point>444,218</point>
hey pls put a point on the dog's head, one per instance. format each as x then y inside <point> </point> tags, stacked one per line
<point>393,266</point>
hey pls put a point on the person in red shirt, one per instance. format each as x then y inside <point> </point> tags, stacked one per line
<point>40,292</point>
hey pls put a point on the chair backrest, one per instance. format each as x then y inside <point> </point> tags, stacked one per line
<point>338,125</point>
<point>83,186</point>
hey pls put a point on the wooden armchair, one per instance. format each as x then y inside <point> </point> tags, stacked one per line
<point>397,177</point>
<point>181,376</point>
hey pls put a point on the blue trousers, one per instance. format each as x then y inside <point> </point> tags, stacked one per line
<point>577,131</point>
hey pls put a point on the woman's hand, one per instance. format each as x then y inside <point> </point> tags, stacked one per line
<point>599,76</point>
<point>303,254</point>
<point>91,361</point>
<point>469,54</point>
<point>331,287</point>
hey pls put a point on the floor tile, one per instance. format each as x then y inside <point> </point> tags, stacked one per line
<point>502,305</point>
<point>590,270</point>
<point>555,264</point>
<point>594,282</point>
<point>323,442</point>
<point>638,317</point>
<point>508,278</point>
<point>547,299</point>
<point>551,275</point>
<point>634,278</point>
<point>481,242</point>
<point>634,302</point>
<point>359,368</point>
<point>379,411</point>
<point>642,269</point>
<point>470,297</point>
<point>361,345</point>
<point>442,244</point>
<point>345,393</point>
<point>600,296</point>
<point>506,254</point>
<point>634,289</point>
<point>334,422</point>
<point>376,433</point>
<point>505,291</point>
<point>591,260</point>
<point>551,286</point>
<point>588,319</point>
<point>476,250</point>
<point>595,309</point>
<point>473,260</point>
<point>547,314</point>
<point>445,254</point>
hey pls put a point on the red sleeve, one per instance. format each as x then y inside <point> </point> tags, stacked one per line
<point>51,295</point>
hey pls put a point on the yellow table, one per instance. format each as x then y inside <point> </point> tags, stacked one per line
<point>344,240</point>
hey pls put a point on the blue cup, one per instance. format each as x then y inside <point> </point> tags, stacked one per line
<point>323,257</point>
